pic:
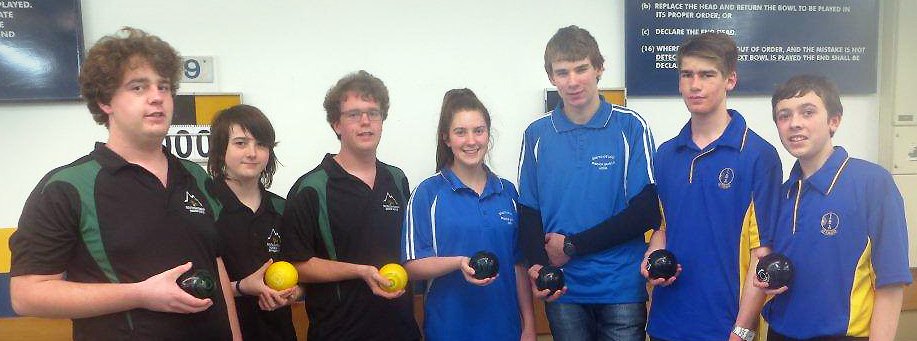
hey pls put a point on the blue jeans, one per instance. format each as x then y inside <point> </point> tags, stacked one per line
<point>582,322</point>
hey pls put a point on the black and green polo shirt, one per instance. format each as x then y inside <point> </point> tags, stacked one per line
<point>333,215</point>
<point>101,219</point>
<point>250,239</point>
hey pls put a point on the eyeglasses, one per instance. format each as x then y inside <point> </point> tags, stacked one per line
<point>357,115</point>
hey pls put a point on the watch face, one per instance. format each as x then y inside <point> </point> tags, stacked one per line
<point>569,249</point>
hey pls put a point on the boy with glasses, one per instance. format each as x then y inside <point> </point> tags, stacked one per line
<point>344,218</point>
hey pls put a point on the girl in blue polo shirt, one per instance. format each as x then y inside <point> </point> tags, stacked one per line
<point>462,209</point>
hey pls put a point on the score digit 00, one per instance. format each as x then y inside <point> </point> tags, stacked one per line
<point>193,145</point>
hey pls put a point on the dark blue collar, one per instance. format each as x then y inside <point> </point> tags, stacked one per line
<point>734,136</point>
<point>599,119</point>
<point>825,177</point>
<point>493,185</point>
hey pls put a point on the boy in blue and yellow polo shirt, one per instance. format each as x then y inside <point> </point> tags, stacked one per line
<point>841,223</point>
<point>717,183</point>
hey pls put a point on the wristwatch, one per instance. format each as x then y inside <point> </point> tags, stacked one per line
<point>744,333</point>
<point>569,248</point>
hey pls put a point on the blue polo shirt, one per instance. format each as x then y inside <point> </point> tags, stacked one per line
<point>447,218</point>
<point>579,175</point>
<point>844,230</point>
<point>717,204</point>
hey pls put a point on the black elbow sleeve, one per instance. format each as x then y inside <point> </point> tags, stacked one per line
<point>641,215</point>
<point>531,236</point>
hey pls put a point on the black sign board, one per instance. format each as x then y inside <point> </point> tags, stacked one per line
<point>41,47</point>
<point>776,40</point>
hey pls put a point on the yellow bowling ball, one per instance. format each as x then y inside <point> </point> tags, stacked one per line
<point>397,277</point>
<point>281,276</point>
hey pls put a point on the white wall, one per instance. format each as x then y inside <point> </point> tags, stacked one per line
<point>284,55</point>
<point>905,68</point>
<point>903,102</point>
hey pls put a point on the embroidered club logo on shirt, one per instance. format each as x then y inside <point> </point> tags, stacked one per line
<point>390,204</point>
<point>727,175</point>
<point>602,162</point>
<point>507,217</point>
<point>193,205</point>
<point>273,242</point>
<point>829,224</point>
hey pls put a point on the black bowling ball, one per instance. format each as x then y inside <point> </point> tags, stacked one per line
<point>551,278</point>
<point>776,270</point>
<point>485,264</point>
<point>661,264</point>
<point>199,283</point>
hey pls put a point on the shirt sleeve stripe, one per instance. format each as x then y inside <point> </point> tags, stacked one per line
<point>626,160</point>
<point>521,160</point>
<point>535,151</point>
<point>433,225</point>
<point>648,143</point>
<point>409,231</point>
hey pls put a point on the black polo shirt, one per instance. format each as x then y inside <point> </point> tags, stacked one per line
<point>250,239</point>
<point>143,229</point>
<point>365,224</point>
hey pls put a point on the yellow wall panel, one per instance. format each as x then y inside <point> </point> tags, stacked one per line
<point>5,233</point>
<point>206,107</point>
<point>615,96</point>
